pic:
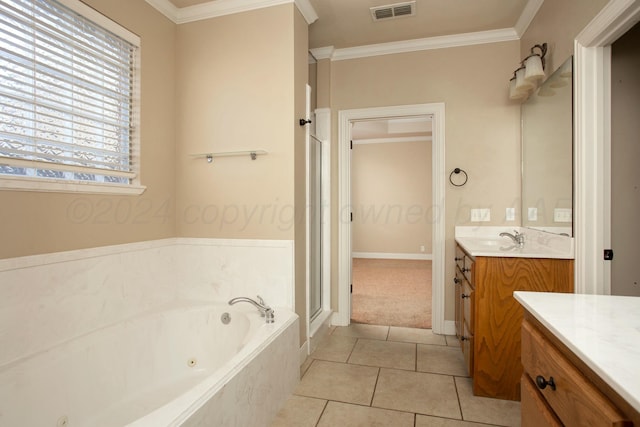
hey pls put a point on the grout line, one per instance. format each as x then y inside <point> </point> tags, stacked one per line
<point>322,413</point>
<point>375,386</point>
<point>455,385</point>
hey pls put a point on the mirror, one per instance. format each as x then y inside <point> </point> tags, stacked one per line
<point>547,154</point>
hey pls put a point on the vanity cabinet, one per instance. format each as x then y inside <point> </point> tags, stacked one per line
<point>555,389</point>
<point>488,318</point>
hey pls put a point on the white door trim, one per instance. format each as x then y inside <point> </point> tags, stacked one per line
<point>345,118</point>
<point>592,132</point>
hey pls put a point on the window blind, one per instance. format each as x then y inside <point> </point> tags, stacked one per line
<point>66,95</point>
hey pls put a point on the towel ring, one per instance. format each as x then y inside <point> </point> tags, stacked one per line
<point>457,171</point>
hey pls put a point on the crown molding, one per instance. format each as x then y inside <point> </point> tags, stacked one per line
<point>528,13</point>
<point>214,9</point>
<point>165,7</point>
<point>322,52</point>
<point>440,42</point>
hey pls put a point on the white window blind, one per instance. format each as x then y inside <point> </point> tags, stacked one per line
<point>67,94</point>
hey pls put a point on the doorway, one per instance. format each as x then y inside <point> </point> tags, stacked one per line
<point>593,142</point>
<point>346,118</point>
<point>391,176</point>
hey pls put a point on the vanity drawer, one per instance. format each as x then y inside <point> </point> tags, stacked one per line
<point>464,263</point>
<point>573,398</point>
<point>535,410</point>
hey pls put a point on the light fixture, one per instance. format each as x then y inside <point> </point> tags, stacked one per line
<point>530,73</point>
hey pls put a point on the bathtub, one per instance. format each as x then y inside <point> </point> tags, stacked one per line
<point>175,366</point>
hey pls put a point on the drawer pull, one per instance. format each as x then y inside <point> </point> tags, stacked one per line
<point>542,383</point>
<point>456,280</point>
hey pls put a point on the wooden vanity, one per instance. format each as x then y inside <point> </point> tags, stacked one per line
<point>488,319</point>
<point>580,355</point>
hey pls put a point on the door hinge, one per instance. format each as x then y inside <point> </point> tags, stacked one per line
<point>351,147</point>
<point>608,254</point>
<point>351,216</point>
<point>351,289</point>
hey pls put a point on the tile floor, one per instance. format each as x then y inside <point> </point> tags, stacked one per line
<point>366,375</point>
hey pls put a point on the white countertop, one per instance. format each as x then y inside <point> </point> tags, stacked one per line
<point>602,330</point>
<point>486,241</point>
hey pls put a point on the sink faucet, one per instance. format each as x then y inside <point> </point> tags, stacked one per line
<point>518,238</point>
<point>265,310</point>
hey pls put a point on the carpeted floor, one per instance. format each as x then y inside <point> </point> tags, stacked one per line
<point>391,292</point>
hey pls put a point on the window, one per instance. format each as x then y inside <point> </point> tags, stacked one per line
<point>68,98</point>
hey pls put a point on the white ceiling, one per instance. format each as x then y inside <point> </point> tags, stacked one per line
<point>348,23</point>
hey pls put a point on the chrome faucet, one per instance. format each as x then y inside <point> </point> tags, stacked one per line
<point>518,238</point>
<point>265,310</point>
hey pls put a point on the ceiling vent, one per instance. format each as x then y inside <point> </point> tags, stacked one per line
<point>397,10</point>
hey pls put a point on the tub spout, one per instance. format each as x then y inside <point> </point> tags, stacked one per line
<point>265,310</point>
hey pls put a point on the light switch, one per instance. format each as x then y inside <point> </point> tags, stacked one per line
<point>480,215</point>
<point>510,214</point>
<point>532,214</point>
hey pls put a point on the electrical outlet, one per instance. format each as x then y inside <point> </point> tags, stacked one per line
<point>532,214</point>
<point>422,248</point>
<point>562,215</point>
<point>510,214</point>
<point>480,215</point>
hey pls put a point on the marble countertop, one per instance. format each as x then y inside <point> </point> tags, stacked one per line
<point>486,241</point>
<point>602,330</point>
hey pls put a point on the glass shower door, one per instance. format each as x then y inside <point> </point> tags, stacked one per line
<point>315,227</point>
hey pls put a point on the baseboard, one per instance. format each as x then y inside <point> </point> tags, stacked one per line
<point>449,327</point>
<point>390,255</point>
<point>304,352</point>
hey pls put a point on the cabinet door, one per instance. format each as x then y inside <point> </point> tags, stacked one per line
<point>467,349</point>
<point>459,304</point>
<point>468,305</point>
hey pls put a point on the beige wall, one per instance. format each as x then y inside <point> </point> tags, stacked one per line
<point>301,49</point>
<point>391,197</point>
<point>36,222</point>
<point>482,127</point>
<point>236,92</point>
<point>241,85</point>
<point>557,23</point>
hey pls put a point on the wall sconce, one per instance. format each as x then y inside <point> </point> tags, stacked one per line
<point>530,73</point>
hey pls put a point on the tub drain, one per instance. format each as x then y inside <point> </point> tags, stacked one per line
<point>192,362</point>
<point>63,421</point>
<point>225,318</point>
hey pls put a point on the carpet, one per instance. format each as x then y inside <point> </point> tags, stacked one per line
<point>391,292</point>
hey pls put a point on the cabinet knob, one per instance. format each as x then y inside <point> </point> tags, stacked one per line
<point>542,383</point>
<point>463,296</point>
<point>456,280</point>
<point>464,270</point>
<point>463,338</point>
<point>458,259</point>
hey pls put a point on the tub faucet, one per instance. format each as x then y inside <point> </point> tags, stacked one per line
<point>265,310</point>
<point>518,238</point>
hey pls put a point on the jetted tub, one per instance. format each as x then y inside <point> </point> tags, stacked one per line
<point>178,366</point>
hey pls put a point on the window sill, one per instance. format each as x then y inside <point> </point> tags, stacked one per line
<point>59,186</point>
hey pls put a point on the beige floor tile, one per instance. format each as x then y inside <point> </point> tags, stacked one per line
<point>421,336</point>
<point>384,354</point>
<point>360,330</point>
<point>452,341</point>
<point>346,415</point>
<point>427,421</point>
<point>335,348</point>
<point>419,392</point>
<point>484,409</point>
<point>299,411</point>
<point>339,381</point>
<point>441,360</point>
